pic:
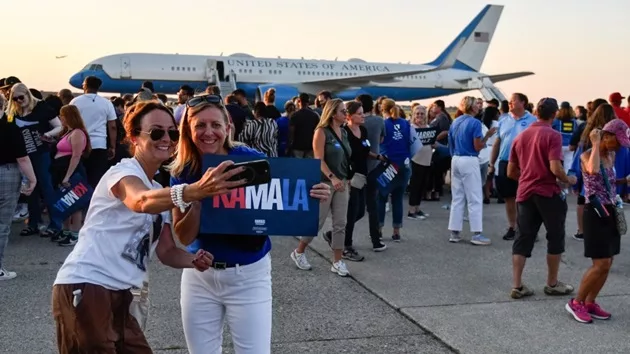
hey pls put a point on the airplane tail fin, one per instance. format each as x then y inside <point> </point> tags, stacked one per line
<point>477,35</point>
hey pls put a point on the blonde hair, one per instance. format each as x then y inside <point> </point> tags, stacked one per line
<point>14,108</point>
<point>419,107</point>
<point>187,154</point>
<point>329,111</point>
<point>388,106</point>
<point>466,105</point>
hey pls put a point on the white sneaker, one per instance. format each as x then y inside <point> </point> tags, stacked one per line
<point>6,275</point>
<point>21,213</point>
<point>340,268</point>
<point>455,237</point>
<point>300,260</point>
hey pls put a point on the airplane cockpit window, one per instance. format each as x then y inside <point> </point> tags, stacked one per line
<point>98,67</point>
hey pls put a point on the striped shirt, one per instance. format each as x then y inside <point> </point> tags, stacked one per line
<point>261,134</point>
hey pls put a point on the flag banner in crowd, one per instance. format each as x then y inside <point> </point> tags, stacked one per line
<point>383,175</point>
<point>281,207</point>
<point>69,200</point>
<point>427,136</point>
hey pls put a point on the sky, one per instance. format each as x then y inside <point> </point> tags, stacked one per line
<point>578,50</point>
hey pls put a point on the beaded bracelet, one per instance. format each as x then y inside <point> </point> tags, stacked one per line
<point>177,196</point>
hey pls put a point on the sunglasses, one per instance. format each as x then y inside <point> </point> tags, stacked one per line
<point>18,98</point>
<point>157,134</point>
<point>197,100</point>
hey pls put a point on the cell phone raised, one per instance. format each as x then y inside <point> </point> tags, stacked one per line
<point>256,172</point>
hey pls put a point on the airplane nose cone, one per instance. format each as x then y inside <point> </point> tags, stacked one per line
<point>76,80</point>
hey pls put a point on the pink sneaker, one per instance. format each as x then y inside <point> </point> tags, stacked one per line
<point>578,311</point>
<point>597,312</point>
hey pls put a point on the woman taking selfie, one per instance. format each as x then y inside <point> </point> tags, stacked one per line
<point>238,287</point>
<point>602,240</point>
<point>127,218</point>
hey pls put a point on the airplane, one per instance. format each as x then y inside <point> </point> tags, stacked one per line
<point>60,56</point>
<point>455,70</point>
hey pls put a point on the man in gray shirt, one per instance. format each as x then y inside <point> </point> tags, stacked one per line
<point>375,127</point>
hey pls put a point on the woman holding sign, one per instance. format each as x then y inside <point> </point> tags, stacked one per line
<point>238,287</point>
<point>127,219</point>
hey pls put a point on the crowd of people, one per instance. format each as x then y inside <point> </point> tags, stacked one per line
<point>526,156</point>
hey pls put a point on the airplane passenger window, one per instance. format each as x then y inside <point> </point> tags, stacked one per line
<point>280,72</point>
<point>172,68</point>
<point>178,68</point>
<point>194,69</point>
<point>189,68</point>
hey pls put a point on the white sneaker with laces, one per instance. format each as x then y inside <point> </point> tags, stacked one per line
<point>300,260</point>
<point>21,213</point>
<point>340,268</point>
<point>6,275</point>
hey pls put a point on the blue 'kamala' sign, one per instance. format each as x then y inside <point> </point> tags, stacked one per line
<point>281,207</point>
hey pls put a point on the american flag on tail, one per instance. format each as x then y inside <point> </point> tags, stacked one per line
<point>482,37</point>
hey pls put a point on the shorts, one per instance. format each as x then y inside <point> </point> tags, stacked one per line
<point>506,187</point>
<point>531,214</point>
<point>601,238</point>
<point>100,323</point>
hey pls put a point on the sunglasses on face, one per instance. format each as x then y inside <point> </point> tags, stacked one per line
<point>18,98</point>
<point>157,134</point>
<point>197,100</point>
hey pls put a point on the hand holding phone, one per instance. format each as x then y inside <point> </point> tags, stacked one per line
<point>253,172</point>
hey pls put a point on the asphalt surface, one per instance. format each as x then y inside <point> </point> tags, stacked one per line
<point>423,295</point>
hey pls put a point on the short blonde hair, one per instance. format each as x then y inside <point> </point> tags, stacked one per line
<point>467,104</point>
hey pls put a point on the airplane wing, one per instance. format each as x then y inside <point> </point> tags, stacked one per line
<point>448,63</point>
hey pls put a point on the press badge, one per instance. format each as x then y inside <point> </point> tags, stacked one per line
<point>337,146</point>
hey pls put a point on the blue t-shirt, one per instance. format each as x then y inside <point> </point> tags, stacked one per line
<point>221,250</point>
<point>462,134</point>
<point>397,142</point>
<point>566,128</point>
<point>509,128</point>
<point>283,135</point>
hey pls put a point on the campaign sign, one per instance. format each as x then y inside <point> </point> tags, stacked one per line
<point>67,201</point>
<point>383,175</point>
<point>427,135</point>
<point>281,207</point>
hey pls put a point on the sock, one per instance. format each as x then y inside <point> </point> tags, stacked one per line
<point>519,288</point>
<point>554,285</point>
<point>74,234</point>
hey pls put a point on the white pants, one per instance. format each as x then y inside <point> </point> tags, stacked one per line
<point>567,158</point>
<point>465,182</point>
<point>240,295</point>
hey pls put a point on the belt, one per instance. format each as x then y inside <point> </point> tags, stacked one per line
<point>223,265</point>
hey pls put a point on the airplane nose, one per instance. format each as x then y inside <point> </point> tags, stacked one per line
<point>76,80</point>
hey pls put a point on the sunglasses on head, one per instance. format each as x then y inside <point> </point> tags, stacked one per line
<point>157,134</point>
<point>197,100</point>
<point>18,98</point>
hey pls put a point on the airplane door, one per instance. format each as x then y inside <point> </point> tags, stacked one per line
<point>439,82</point>
<point>210,68</point>
<point>221,70</point>
<point>125,68</point>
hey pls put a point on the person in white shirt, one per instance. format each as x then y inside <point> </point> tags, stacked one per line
<point>489,121</point>
<point>420,167</point>
<point>99,117</point>
<point>127,220</point>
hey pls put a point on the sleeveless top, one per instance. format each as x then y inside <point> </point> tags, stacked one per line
<point>334,154</point>
<point>595,185</point>
<point>64,147</point>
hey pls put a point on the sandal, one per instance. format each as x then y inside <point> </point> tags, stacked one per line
<point>49,233</point>
<point>29,231</point>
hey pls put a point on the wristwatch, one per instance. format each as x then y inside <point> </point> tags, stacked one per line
<point>331,175</point>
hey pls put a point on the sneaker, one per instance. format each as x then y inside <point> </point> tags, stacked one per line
<point>521,293</point>
<point>327,236</point>
<point>422,215</point>
<point>48,233</point>
<point>6,275</point>
<point>480,240</point>
<point>597,312</point>
<point>352,255</point>
<point>71,240</point>
<point>413,216</point>
<point>455,237</point>
<point>21,214</point>
<point>510,234</point>
<point>300,260</point>
<point>340,268</point>
<point>380,247</point>
<point>60,236</point>
<point>396,237</point>
<point>578,237</point>
<point>578,311</point>
<point>559,289</point>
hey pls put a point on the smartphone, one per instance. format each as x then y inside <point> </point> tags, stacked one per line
<point>256,172</point>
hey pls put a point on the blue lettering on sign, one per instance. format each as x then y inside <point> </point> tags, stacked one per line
<point>387,176</point>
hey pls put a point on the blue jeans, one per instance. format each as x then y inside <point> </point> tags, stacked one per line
<point>41,166</point>
<point>397,192</point>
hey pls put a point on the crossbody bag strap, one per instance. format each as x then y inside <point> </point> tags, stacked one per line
<point>340,143</point>
<point>606,181</point>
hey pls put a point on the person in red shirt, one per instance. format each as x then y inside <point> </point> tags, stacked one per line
<point>536,162</point>
<point>615,100</point>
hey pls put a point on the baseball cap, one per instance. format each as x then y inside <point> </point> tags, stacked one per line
<point>9,82</point>
<point>565,104</point>
<point>547,106</point>
<point>615,97</point>
<point>493,101</point>
<point>621,131</point>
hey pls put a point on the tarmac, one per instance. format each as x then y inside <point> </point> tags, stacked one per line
<point>423,295</point>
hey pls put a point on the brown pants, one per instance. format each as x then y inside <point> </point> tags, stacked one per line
<point>100,324</point>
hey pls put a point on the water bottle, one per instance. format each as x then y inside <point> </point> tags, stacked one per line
<point>618,202</point>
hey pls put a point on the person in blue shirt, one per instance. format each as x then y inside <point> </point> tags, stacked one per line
<point>465,140</point>
<point>396,147</point>
<point>509,128</point>
<point>566,124</point>
<point>237,287</point>
<point>283,129</point>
